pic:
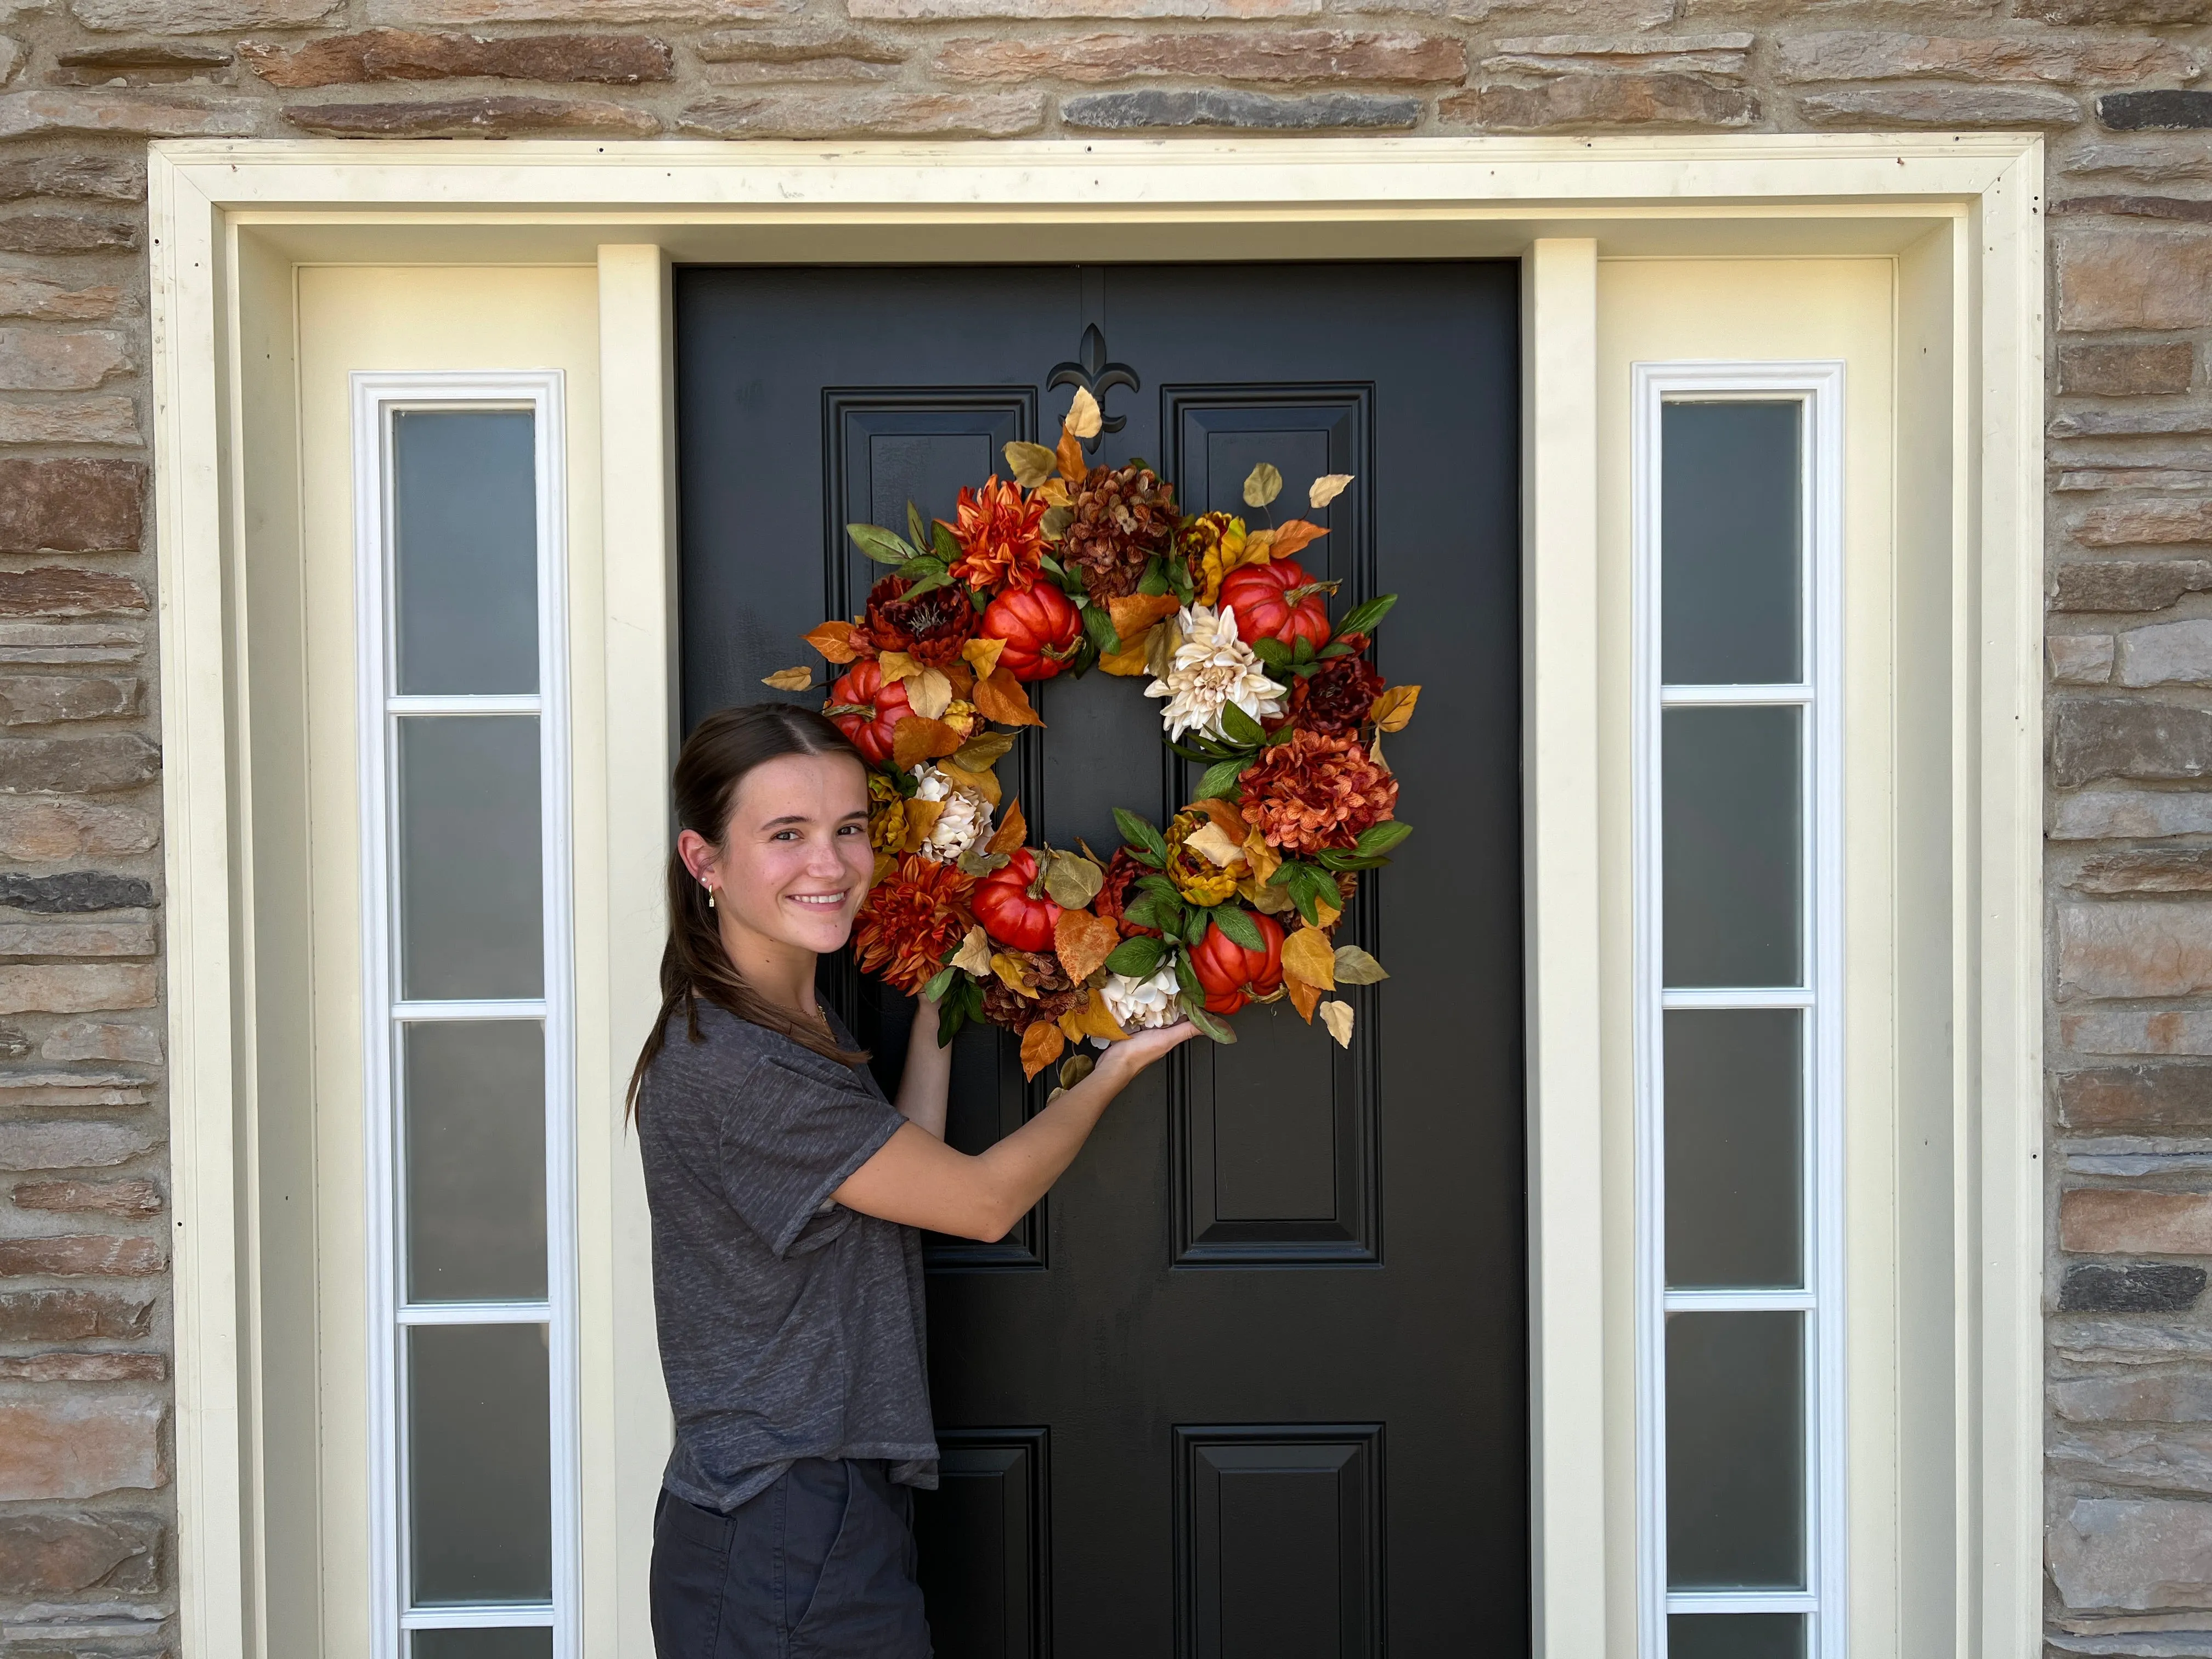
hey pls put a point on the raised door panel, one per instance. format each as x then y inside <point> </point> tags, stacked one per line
<point>986,1569</point>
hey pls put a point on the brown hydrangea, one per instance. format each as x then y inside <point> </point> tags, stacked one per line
<point>931,629</point>
<point>1041,971</point>
<point>1122,516</point>
<point>1318,790</point>
<point>1337,696</point>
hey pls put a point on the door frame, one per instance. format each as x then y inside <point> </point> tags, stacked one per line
<point>1960,213</point>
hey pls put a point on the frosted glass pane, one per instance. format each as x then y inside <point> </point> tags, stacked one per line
<point>1735,1088</point>
<point>529,1642</point>
<point>1735,1451</point>
<point>1731,846</point>
<point>475,1101</point>
<point>471,881</point>
<point>480,1464</point>
<point>1729,559</point>
<point>464,540</point>
<point>1736,1636</point>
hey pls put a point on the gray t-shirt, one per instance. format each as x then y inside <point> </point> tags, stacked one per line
<point>790,1326</point>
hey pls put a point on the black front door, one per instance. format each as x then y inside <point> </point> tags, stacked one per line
<point>1252,1381</point>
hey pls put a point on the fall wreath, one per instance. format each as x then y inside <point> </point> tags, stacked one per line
<point>1066,566</point>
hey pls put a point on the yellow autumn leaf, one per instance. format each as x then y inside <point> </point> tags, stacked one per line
<point>1074,1069</point>
<point>885,863</point>
<point>985,784</point>
<point>982,655</point>
<point>929,693</point>
<point>897,665</point>
<point>1326,488</point>
<point>1394,707</point>
<point>1264,860</point>
<point>1355,967</point>
<point>1308,955</point>
<point>1266,898</point>
<point>974,953</point>
<point>1219,848</point>
<point>1041,1044</point>
<point>1304,997</point>
<point>1134,657</point>
<point>1084,418</point>
<point>1010,975</point>
<point>1337,1015</point>
<point>922,817</point>
<point>790,679</point>
<point>1030,463</point>
<point>1261,485</point>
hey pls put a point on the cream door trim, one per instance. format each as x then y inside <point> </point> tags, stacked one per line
<point>1960,212</point>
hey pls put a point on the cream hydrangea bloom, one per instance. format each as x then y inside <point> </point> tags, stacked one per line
<point>1141,1005</point>
<point>965,821</point>
<point>1211,669</point>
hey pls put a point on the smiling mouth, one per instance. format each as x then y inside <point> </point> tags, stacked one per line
<point>818,901</point>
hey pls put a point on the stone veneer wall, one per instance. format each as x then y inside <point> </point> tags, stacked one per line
<point>86,1558</point>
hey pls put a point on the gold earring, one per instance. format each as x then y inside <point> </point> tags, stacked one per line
<point>710,896</point>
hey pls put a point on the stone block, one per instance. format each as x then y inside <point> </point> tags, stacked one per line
<point>42,830</point>
<point>2116,1221</point>
<point>2132,1552</point>
<point>73,359</point>
<point>119,938</point>
<point>1721,56</point>
<point>143,63</point>
<point>2158,13</point>
<point>773,71</point>
<point>794,46</point>
<point>66,1446</point>
<point>2180,209</point>
<point>136,1200</point>
<point>23,294</point>
<point>78,644</point>
<point>65,590</point>
<point>436,13</point>
<point>2132,370</point>
<point>2150,161</point>
<point>69,506</point>
<point>1602,100</point>
<point>128,114</point>
<point>108,178</point>
<point>2166,653</point>
<point>72,1316</point>
<point>76,988</point>
<point>2096,479</point>
<point>109,421</point>
<point>2127,278</point>
<point>49,698</point>
<point>1882,55</point>
<point>68,231</point>
<point>2080,659</point>
<point>75,892</point>
<point>2134,1287</point>
<point>2135,949</point>
<point>2145,523</point>
<point>420,54</point>
<point>84,1367</point>
<point>62,1555</point>
<point>2174,1095</point>
<point>78,1256</point>
<point>2157,870</point>
<point>1162,110</point>
<point>2165,109</point>
<point>200,16</point>
<point>2161,1459</point>
<point>2117,584</point>
<point>14,1044</point>
<point>2122,1031</point>
<point>2131,422</point>
<point>102,1039</point>
<point>871,113</point>
<point>2094,738</point>
<point>1948,104</point>
<point>491,117</point>
<point>75,1089</point>
<point>2170,1399</point>
<point>1291,56</point>
<point>77,765</point>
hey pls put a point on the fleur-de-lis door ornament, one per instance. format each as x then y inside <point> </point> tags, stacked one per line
<point>1096,376</point>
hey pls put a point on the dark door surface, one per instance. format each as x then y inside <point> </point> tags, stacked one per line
<point>1251,1383</point>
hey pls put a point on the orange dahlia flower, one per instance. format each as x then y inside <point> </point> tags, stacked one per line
<point>910,919</point>
<point>1000,535</point>
<point>1318,790</point>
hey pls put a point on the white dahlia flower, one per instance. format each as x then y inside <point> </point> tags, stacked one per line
<point>1140,1005</point>
<point>965,821</point>
<point>1211,669</point>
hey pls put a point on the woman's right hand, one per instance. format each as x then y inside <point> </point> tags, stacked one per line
<point>1123,1060</point>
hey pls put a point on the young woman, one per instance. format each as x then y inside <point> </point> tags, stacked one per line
<point>786,1193</point>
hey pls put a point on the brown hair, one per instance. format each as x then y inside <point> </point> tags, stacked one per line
<point>722,750</point>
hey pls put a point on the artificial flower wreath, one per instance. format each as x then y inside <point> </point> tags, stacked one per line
<point>1061,567</point>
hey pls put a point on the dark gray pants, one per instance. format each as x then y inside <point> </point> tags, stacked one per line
<point>820,1565</point>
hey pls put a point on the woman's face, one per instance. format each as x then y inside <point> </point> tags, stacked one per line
<point>794,861</point>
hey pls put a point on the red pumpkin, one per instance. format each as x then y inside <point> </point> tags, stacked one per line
<point>1259,594</point>
<point>863,686</point>
<point>1002,904</point>
<point>1231,973</point>
<point>1033,621</point>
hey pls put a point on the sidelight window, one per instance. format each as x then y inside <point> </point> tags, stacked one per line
<point>468,1096</point>
<point>1739,1073</point>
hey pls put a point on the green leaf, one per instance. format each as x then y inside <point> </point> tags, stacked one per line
<point>1220,779</point>
<point>1362,618</point>
<point>1160,886</point>
<point>915,532</point>
<point>1194,931</point>
<point>935,990</point>
<point>1307,909</point>
<point>923,567</point>
<point>1239,727</point>
<point>1194,1009</point>
<point>942,543</point>
<point>1155,579</point>
<point>1273,652</point>
<point>1059,571</point>
<point>880,545</point>
<point>1140,832</point>
<point>1136,957</point>
<point>1100,628</point>
<point>1187,977</point>
<point>1379,838</point>
<point>979,599</point>
<point>1199,748</point>
<point>1238,925</point>
<point>1305,653</point>
<point>1334,648</point>
<point>1179,578</point>
<point>1079,665</point>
